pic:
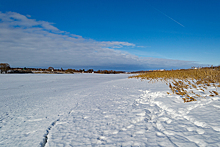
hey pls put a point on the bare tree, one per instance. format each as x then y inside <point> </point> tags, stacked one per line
<point>51,69</point>
<point>4,67</point>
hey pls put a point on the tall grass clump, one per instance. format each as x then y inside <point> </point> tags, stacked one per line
<point>190,84</point>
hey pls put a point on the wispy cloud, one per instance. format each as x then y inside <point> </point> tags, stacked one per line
<point>31,43</point>
<point>168,16</point>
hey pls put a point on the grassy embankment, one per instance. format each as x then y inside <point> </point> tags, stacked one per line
<point>189,84</point>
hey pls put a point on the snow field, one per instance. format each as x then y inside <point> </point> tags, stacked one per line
<point>101,110</point>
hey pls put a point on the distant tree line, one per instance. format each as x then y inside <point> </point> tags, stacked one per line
<point>5,68</point>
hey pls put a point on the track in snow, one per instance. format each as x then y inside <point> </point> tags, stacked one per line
<point>102,110</point>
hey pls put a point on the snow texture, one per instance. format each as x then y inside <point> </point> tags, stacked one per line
<point>101,110</point>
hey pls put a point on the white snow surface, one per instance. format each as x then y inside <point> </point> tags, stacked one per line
<point>101,110</point>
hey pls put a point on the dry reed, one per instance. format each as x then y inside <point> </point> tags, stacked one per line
<point>181,81</point>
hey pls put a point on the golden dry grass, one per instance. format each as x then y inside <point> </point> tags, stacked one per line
<point>185,82</point>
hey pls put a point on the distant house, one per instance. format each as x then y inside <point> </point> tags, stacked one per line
<point>9,71</point>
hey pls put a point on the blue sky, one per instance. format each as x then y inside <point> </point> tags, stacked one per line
<point>111,34</point>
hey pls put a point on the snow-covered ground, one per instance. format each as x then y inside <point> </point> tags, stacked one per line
<point>101,110</point>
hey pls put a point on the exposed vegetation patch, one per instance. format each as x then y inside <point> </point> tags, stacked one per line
<point>190,84</point>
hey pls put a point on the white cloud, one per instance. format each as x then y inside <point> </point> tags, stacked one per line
<point>31,43</point>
